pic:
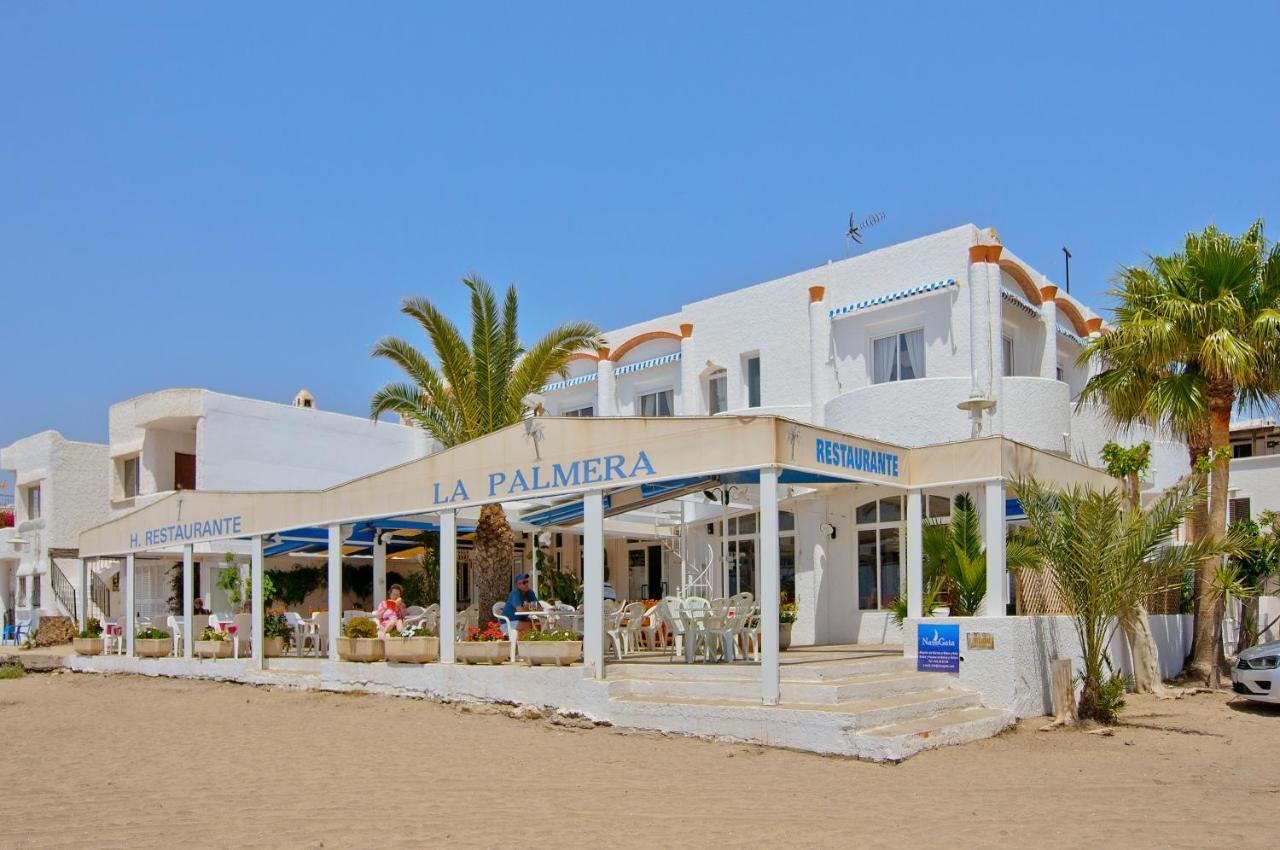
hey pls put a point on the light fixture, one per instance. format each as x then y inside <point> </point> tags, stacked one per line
<point>829,530</point>
<point>977,402</point>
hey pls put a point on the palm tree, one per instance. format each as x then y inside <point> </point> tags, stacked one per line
<point>1103,556</point>
<point>477,389</point>
<point>1196,336</point>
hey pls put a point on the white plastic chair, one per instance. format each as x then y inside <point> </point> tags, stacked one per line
<point>320,632</point>
<point>176,623</point>
<point>630,628</point>
<point>513,634</point>
<point>112,635</point>
<point>244,633</point>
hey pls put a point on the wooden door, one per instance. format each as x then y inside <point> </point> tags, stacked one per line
<point>184,471</point>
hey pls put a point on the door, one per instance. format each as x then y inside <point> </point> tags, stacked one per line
<point>655,589</point>
<point>184,471</point>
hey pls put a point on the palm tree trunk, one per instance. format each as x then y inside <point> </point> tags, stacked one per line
<point>1197,529</point>
<point>1207,655</point>
<point>492,559</point>
<point>1143,652</point>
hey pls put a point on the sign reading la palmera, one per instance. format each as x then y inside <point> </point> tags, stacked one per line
<point>545,476</point>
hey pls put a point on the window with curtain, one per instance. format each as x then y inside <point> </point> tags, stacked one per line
<point>660,403</point>
<point>752,371</point>
<point>130,469</point>
<point>1007,352</point>
<point>33,502</point>
<point>899,357</point>
<point>718,392</point>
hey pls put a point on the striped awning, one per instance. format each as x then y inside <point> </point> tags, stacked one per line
<point>922,289</point>
<point>1018,301</point>
<point>647,364</point>
<point>1073,337</point>
<point>569,382</point>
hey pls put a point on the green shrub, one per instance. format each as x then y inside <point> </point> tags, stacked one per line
<point>787,612</point>
<point>12,671</point>
<point>359,627</point>
<point>1109,701</point>
<point>563,634</point>
<point>411,632</point>
<point>93,628</point>
<point>210,633</point>
<point>274,625</point>
<point>151,634</point>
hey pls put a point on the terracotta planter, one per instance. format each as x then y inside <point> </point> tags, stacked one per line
<point>360,649</point>
<point>211,648</point>
<point>784,635</point>
<point>414,650</point>
<point>559,652</point>
<point>87,646</point>
<point>273,647</point>
<point>153,647</point>
<point>482,651</point>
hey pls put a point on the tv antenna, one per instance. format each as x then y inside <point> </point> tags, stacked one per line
<point>854,233</point>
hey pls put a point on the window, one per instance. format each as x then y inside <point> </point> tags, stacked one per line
<point>660,403</point>
<point>718,392</point>
<point>589,410</point>
<point>35,590</point>
<point>897,358</point>
<point>1007,350</point>
<point>1058,372</point>
<point>130,476</point>
<point>33,502</point>
<point>752,373</point>
<point>879,553</point>
<point>1237,509</point>
<point>1242,449</point>
<point>939,507</point>
<point>739,574</point>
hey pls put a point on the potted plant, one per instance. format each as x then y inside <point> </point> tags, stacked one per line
<point>414,645</point>
<point>786,619</point>
<point>152,643</point>
<point>89,641</point>
<point>277,634</point>
<point>561,648</point>
<point>212,644</point>
<point>360,641</point>
<point>487,645</point>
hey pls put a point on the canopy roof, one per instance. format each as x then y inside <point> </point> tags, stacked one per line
<point>633,459</point>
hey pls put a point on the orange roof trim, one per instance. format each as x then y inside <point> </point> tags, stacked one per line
<point>1072,312</point>
<point>620,351</point>
<point>1024,280</point>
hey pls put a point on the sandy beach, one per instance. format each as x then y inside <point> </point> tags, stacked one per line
<point>125,761</point>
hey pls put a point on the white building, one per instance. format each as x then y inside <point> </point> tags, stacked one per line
<point>162,442</point>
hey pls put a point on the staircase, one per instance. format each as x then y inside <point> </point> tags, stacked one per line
<point>877,708</point>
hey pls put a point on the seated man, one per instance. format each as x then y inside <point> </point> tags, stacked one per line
<point>521,598</point>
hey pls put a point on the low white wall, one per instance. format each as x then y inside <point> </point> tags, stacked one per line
<point>1015,674</point>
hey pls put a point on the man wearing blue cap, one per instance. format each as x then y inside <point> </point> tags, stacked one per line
<point>521,598</point>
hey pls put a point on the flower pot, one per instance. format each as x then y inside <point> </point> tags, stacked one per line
<point>152,647</point>
<point>272,647</point>
<point>482,651</point>
<point>784,635</point>
<point>941,611</point>
<point>211,648</point>
<point>559,652</point>
<point>360,649</point>
<point>87,646</point>
<point>414,650</point>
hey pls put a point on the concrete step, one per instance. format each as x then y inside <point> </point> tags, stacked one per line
<point>904,738</point>
<point>816,672</point>
<point>824,671</point>
<point>825,692</point>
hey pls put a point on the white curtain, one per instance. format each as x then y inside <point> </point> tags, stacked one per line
<point>915,352</point>
<point>883,356</point>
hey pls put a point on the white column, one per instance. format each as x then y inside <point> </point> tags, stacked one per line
<point>531,548</point>
<point>606,395</point>
<point>335,589</point>
<point>130,609</point>
<point>993,533</point>
<point>379,568</point>
<point>258,605</point>
<point>1049,315</point>
<point>915,553</point>
<point>689,403</point>
<point>770,586</point>
<point>188,599</point>
<point>819,345</point>
<point>593,583</point>
<point>448,583</point>
<point>84,593</point>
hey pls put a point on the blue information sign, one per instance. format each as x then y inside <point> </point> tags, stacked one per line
<point>938,648</point>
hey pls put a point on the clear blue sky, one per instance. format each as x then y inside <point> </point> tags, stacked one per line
<point>237,195</point>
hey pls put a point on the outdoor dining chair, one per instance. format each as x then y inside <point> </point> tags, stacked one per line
<point>513,634</point>
<point>243,636</point>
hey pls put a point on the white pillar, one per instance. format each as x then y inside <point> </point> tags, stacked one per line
<point>606,395</point>
<point>593,583</point>
<point>819,345</point>
<point>335,589</point>
<point>130,609</point>
<point>915,553</point>
<point>188,599</point>
<point>689,403</point>
<point>993,533</point>
<point>379,568</point>
<point>1049,315</point>
<point>84,594</point>
<point>448,583</point>
<point>531,547</point>
<point>258,605</point>
<point>770,586</point>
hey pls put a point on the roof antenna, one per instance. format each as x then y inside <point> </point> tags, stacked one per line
<point>1066,257</point>
<point>854,233</point>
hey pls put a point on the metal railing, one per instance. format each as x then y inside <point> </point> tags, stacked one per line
<point>63,590</point>
<point>100,594</point>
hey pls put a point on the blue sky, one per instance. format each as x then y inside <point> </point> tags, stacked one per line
<point>237,195</point>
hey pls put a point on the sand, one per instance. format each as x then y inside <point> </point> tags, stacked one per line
<point>126,761</point>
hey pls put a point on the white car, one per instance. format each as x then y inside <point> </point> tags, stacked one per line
<point>1256,675</point>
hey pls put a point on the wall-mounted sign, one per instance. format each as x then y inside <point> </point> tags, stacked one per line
<point>980,640</point>
<point>555,476</point>
<point>938,648</point>
<point>856,458</point>
<point>185,532</point>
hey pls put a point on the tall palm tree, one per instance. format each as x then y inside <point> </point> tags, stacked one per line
<point>478,388</point>
<point>1196,336</point>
